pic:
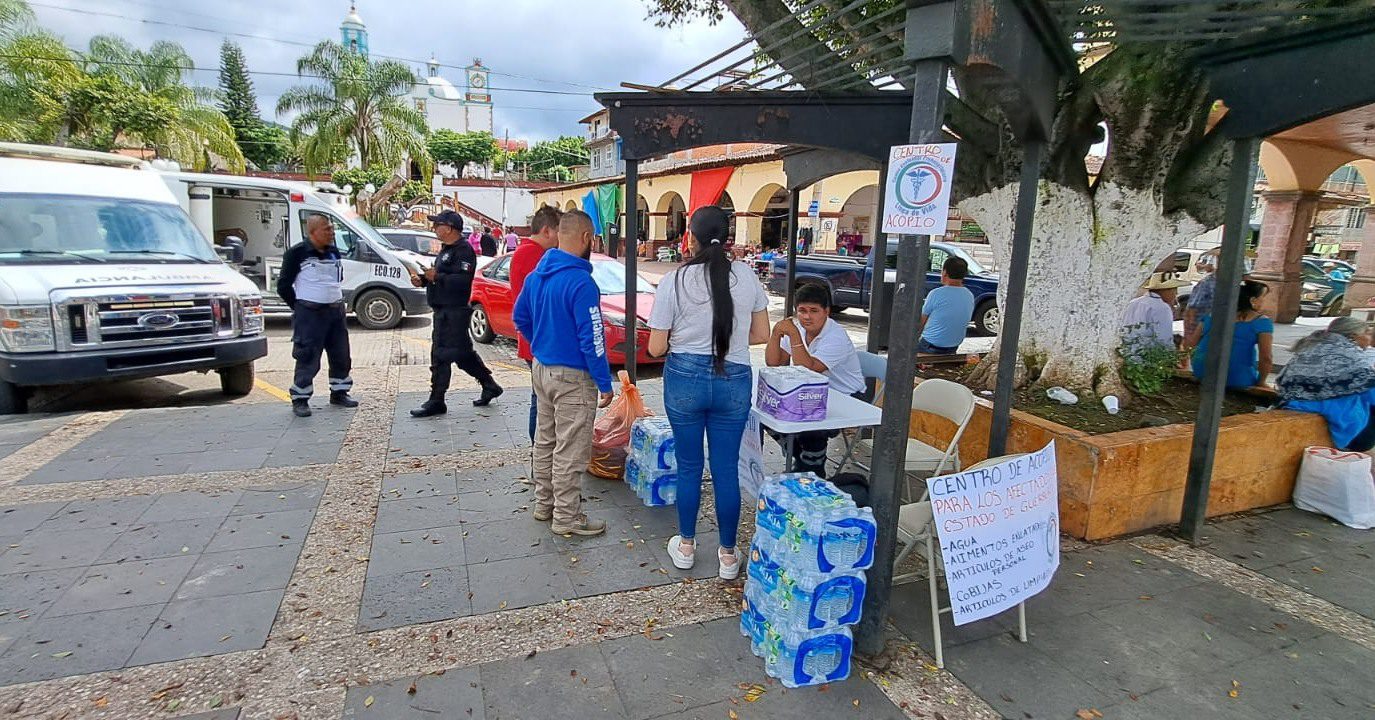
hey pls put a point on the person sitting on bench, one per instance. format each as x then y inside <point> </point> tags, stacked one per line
<point>1330,375</point>
<point>947,311</point>
<point>811,339</point>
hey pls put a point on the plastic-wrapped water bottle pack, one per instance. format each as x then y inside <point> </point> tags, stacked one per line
<point>805,522</point>
<point>651,469</point>
<point>651,441</point>
<point>655,488</point>
<point>806,582</point>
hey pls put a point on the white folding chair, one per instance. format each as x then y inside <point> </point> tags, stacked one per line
<point>942,398</point>
<point>917,530</point>
<point>949,400</point>
<point>872,367</point>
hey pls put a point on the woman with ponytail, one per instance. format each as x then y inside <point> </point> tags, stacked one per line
<point>706,315</point>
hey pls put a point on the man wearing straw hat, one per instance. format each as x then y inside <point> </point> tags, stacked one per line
<point>1148,320</point>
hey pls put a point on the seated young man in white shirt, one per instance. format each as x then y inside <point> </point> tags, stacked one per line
<point>811,339</point>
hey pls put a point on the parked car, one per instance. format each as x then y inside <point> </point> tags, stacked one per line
<point>492,306</point>
<point>1322,296</point>
<point>850,279</point>
<point>418,241</point>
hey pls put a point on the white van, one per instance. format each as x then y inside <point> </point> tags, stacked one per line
<point>104,277</point>
<point>267,216</point>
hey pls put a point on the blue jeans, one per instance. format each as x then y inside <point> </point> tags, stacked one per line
<point>700,403</point>
<point>925,347</point>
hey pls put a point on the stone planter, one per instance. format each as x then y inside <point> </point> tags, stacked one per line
<point>1133,480</point>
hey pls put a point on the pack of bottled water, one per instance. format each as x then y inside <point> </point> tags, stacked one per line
<point>797,658</point>
<point>804,598</point>
<point>651,468</point>
<point>809,524</point>
<point>655,488</point>
<point>651,442</point>
<point>806,580</point>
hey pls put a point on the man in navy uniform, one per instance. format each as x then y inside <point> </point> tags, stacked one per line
<point>447,288</point>
<point>311,283</point>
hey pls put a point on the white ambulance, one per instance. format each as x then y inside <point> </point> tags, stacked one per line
<point>104,277</point>
<point>263,217</point>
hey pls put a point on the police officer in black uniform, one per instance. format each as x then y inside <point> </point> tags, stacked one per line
<point>311,282</point>
<point>447,288</point>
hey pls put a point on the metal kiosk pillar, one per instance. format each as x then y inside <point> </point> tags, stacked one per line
<point>794,198</point>
<point>880,312</point>
<point>890,442</point>
<point>1011,331</point>
<point>632,277</point>
<point>1237,221</point>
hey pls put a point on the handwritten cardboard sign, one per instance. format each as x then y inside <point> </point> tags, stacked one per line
<point>999,533</point>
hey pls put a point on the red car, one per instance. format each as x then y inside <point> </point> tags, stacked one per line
<point>492,306</point>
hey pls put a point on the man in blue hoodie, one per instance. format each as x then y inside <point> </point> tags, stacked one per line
<point>559,310</point>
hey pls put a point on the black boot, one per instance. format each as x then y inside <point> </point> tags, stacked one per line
<point>300,408</point>
<point>433,406</point>
<point>490,391</point>
<point>342,399</point>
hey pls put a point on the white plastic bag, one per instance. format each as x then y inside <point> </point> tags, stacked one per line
<point>751,459</point>
<point>1337,484</point>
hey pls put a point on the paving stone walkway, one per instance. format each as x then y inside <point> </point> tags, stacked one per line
<point>111,583</point>
<point>700,670</point>
<point>1129,634</point>
<point>464,542</point>
<point>205,439</point>
<point>18,431</point>
<point>502,425</point>
<point>305,567</point>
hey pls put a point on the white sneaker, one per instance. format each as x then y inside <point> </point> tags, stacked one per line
<point>681,560</point>
<point>728,571</point>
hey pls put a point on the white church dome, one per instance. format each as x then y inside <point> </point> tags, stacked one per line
<point>441,88</point>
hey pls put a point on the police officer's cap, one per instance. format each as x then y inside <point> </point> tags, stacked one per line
<point>450,218</point>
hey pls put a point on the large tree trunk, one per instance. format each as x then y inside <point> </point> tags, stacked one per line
<point>1089,254</point>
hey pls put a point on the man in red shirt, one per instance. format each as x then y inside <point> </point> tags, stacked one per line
<point>544,234</point>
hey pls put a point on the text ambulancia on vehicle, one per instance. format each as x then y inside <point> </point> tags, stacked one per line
<point>104,277</point>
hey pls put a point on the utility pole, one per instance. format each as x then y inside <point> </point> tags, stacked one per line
<point>505,179</point>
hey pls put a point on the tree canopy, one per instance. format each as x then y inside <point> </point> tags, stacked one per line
<point>549,160</point>
<point>111,96</point>
<point>459,149</point>
<point>356,109</point>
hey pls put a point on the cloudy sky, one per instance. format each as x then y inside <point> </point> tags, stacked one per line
<point>546,56</point>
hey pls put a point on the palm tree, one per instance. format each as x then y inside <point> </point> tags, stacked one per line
<point>199,129</point>
<point>357,110</point>
<point>26,85</point>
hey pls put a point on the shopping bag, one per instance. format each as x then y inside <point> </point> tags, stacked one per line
<point>611,432</point>
<point>751,459</point>
<point>1337,484</point>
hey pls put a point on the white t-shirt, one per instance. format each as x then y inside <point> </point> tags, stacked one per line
<point>1150,320</point>
<point>682,305</point>
<point>834,347</point>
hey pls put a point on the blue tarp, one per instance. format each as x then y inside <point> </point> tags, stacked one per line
<point>589,206</point>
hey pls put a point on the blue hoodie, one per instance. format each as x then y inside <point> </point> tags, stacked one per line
<point>566,329</point>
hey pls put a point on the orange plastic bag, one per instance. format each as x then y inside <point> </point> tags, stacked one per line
<point>611,433</point>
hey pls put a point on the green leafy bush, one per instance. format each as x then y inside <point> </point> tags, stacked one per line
<point>1146,364</point>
